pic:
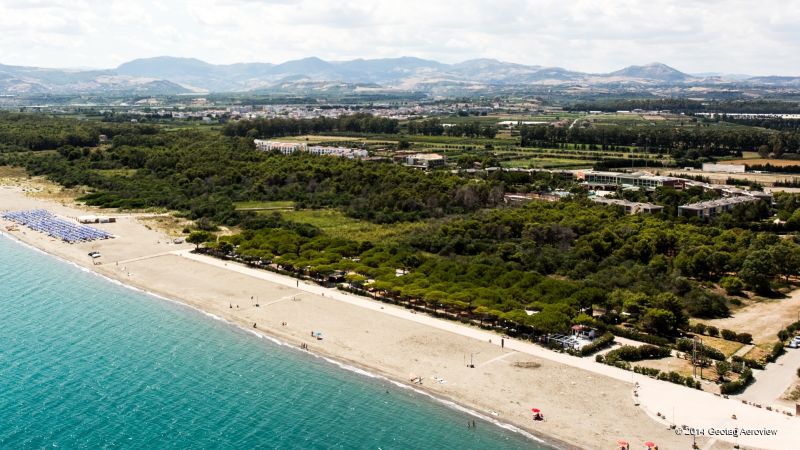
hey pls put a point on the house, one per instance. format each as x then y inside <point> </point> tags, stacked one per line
<point>712,208</point>
<point>723,168</point>
<point>286,148</point>
<point>630,207</point>
<point>636,179</point>
<point>425,160</point>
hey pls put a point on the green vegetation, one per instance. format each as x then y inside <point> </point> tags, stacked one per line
<point>258,205</point>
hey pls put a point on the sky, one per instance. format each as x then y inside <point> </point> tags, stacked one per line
<point>694,36</point>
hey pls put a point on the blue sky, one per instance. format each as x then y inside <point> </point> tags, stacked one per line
<point>728,36</point>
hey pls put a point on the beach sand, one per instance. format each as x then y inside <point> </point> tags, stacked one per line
<point>583,408</point>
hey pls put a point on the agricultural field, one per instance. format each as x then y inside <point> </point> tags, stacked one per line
<point>721,178</point>
<point>548,163</point>
<point>764,161</point>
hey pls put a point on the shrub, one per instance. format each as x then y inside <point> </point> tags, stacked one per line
<point>734,387</point>
<point>723,368</point>
<point>777,350</point>
<point>749,363</point>
<point>783,335</point>
<point>699,328</point>
<point>798,372</point>
<point>728,335</point>
<point>744,338</point>
<point>648,371</point>
<point>732,285</point>
<point>712,331</point>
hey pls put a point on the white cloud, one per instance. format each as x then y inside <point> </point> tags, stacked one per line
<point>591,35</point>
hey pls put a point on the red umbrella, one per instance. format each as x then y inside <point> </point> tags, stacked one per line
<point>649,444</point>
<point>622,442</point>
<point>536,410</point>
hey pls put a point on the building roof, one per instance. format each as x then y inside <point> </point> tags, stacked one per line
<point>726,201</point>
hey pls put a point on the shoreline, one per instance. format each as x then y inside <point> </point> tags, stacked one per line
<point>342,364</point>
<point>588,405</point>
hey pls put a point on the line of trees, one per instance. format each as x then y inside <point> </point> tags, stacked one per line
<point>277,127</point>
<point>679,142</point>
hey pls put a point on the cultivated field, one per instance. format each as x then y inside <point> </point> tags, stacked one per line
<point>764,161</point>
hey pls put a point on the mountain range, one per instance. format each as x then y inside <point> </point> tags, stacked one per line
<point>171,75</point>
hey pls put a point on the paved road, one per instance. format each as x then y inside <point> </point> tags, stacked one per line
<point>771,383</point>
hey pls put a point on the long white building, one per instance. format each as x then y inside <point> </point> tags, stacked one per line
<point>287,148</point>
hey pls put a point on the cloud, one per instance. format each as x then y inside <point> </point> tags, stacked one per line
<point>692,35</point>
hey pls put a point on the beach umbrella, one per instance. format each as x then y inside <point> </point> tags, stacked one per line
<point>536,410</point>
<point>622,442</point>
<point>650,444</point>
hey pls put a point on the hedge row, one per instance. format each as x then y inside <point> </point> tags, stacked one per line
<point>750,363</point>
<point>600,343</point>
<point>687,345</point>
<point>637,336</point>
<point>789,331</point>
<point>673,377</point>
<point>699,328</point>
<point>631,353</point>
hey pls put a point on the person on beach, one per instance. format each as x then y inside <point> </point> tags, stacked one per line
<point>254,325</point>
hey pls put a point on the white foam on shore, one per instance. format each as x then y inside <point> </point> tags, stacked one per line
<point>274,340</point>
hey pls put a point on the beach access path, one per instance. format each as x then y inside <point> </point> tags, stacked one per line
<point>677,404</point>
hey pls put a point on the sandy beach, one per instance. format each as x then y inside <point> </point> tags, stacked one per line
<point>587,405</point>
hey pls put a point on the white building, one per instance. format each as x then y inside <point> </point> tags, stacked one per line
<point>341,152</point>
<point>286,148</point>
<point>425,160</point>
<point>724,168</point>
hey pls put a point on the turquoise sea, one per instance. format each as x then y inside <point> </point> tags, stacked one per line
<point>87,363</point>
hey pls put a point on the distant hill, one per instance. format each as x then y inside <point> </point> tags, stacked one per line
<point>774,81</point>
<point>171,75</point>
<point>31,80</point>
<point>652,71</point>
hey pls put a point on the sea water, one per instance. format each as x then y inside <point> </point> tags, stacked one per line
<point>87,363</point>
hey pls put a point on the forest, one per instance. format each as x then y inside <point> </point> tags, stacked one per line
<point>202,173</point>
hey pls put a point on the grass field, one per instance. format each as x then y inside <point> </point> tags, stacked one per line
<point>725,346</point>
<point>334,223</point>
<point>547,163</point>
<point>255,205</point>
<point>762,161</point>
